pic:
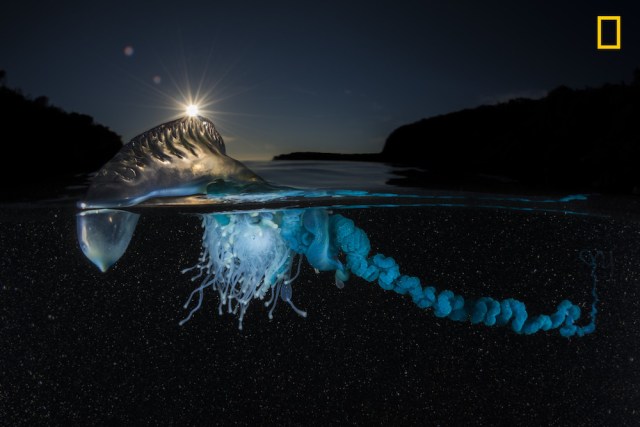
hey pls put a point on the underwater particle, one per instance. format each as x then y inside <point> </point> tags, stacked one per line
<point>156,79</point>
<point>128,50</point>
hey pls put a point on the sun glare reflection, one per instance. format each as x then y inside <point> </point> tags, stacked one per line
<point>192,110</point>
<point>174,90</point>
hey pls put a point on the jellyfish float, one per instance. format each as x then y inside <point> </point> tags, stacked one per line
<point>259,254</point>
<point>179,158</point>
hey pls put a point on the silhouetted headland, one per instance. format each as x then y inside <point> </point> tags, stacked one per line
<point>571,140</point>
<point>45,148</point>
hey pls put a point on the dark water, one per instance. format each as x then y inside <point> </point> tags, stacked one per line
<point>80,346</point>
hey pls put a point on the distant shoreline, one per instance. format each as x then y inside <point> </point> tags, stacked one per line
<point>575,139</point>
<point>313,155</point>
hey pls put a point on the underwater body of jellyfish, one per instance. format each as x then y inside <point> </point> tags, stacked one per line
<point>244,257</point>
<point>252,255</point>
<point>248,255</point>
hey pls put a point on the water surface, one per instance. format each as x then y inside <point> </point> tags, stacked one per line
<point>83,346</point>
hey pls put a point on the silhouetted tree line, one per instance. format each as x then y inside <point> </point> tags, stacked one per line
<point>44,148</point>
<point>587,139</point>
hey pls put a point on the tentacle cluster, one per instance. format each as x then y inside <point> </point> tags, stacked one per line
<point>243,257</point>
<point>355,245</point>
<point>307,232</point>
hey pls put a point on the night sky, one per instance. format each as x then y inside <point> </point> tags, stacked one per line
<point>302,76</point>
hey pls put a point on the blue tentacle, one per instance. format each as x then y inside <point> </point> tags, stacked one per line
<point>355,244</point>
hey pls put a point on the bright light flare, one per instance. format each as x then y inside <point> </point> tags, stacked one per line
<point>192,110</point>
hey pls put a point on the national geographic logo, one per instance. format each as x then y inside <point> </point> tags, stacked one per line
<point>609,30</point>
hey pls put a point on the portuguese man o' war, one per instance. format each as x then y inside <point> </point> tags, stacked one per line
<point>258,255</point>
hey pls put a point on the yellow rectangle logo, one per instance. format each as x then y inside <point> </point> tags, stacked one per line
<point>618,37</point>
